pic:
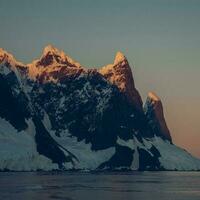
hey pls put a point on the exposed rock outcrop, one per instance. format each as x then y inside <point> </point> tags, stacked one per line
<point>53,66</point>
<point>119,73</point>
<point>153,109</point>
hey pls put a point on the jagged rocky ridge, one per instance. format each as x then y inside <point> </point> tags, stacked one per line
<point>56,114</point>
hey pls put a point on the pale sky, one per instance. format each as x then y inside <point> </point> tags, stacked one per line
<point>160,38</point>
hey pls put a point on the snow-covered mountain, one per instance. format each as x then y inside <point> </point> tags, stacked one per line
<point>56,114</point>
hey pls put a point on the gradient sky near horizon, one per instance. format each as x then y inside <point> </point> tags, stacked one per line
<point>160,38</point>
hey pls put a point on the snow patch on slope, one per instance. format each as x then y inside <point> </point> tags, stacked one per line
<point>172,157</point>
<point>18,150</point>
<point>87,158</point>
<point>129,143</point>
<point>175,158</point>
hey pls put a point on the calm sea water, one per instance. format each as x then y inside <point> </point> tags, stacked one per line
<point>100,186</point>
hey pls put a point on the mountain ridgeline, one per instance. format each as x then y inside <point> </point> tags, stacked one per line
<point>57,115</point>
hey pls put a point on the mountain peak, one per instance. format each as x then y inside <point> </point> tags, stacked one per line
<point>2,54</point>
<point>53,50</point>
<point>52,62</point>
<point>7,57</point>
<point>119,73</point>
<point>119,57</point>
<point>48,48</point>
<point>52,56</point>
<point>2,51</point>
<point>153,96</point>
<point>154,111</point>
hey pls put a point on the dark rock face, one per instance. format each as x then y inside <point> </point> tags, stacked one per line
<point>154,113</point>
<point>47,146</point>
<point>120,74</point>
<point>99,108</point>
<point>13,102</point>
<point>148,160</point>
<point>91,109</point>
<point>119,160</point>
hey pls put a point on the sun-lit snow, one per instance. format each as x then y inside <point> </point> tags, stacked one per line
<point>7,57</point>
<point>119,58</point>
<point>53,50</point>
<point>35,69</point>
<point>153,96</point>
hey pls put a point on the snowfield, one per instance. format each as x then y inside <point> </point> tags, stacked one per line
<point>18,150</point>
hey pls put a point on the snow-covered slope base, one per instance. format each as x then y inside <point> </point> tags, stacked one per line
<point>18,150</point>
<point>87,159</point>
<point>174,157</point>
<point>170,156</point>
